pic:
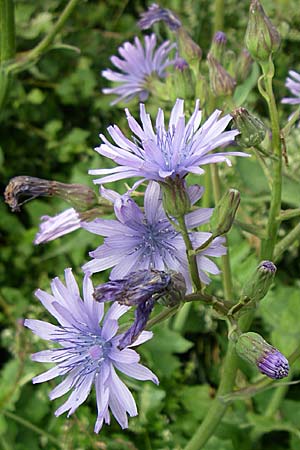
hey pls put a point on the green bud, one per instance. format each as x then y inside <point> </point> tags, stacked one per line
<point>188,49</point>
<point>221,83</point>
<point>176,201</point>
<point>255,350</point>
<point>218,45</point>
<point>260,282</point>
<point>243,65</point>
<point>262,39</point>
<point>224,213</point>
<point>252,130</point>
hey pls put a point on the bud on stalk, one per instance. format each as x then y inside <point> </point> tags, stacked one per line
<point>252,130</point>
<point>222,84</point>
<point>224,213</point>
<point>257,287</point>
<point>255,350</point>
<point>262,39</point>
<point>176,201</point>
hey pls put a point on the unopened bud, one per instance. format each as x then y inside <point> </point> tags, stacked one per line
<point>222,84</point>
<point>243,65</point>
<point>176,201</point>
<point>188,49</point>
<point>258,285</point>
<point>218,45</point>
<point>269,361</point>
<point>262,39</point>
<point>252,130</point>
<point>224,213</point>
<point>80,196</point>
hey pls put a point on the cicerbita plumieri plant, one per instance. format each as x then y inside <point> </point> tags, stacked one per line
<point>168,235</point>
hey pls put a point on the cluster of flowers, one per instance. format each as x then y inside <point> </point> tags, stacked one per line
<point>148,238</point>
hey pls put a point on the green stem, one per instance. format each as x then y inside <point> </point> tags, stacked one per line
<point>268,245</point>
<point>288,214</point>
<point>226,269</point>
<point>7,27</point>
<point>219,16</point>
<point>45,43</point>
<point>286,242</point>
<point>192,260</point>
<point>165,314</point>
<point>32,427</point>
<point>218,408</point>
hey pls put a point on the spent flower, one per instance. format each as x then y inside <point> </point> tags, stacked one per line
<point>168,152</point>
<point>136,65</point>
<point>156,14</point>
<point>147,240</point>
<point>88,353</point>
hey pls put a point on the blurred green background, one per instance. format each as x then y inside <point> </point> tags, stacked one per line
<point>49,126</point>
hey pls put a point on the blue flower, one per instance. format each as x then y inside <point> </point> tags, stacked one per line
<point>53,227</point>
<point>89,353</point>
<point>156,14</point>
<point>135,67</point>
<point>140,240</point>
<point>166,152</point>
<point>293,84</point>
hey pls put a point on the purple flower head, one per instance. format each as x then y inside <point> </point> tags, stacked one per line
<point>156,14</point>
<point>135,65</point>
<point>166,152</point>
<point>89,353</point>
<point>53,227</point>
<point>293,84</point>
<point>274,364</point>
<point>146,239</point>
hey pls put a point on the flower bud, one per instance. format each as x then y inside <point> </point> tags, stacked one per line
<point>260,282</point>
<point>262,39</point>
<point>243,65</point>
<point>176,201</point>
<point>80,196</point>
<point>222,84</point>
<point>269,361</point>
<point>218,45</point>
<point>188,49</point>
<point>252,130</point>
<point>224,213</point>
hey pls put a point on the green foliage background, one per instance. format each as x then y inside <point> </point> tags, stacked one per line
<point>50,124</point>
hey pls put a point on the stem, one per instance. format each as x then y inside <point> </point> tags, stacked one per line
<point>285,243</point>
<point>7,27</point>
<point>192,260</point>
<point>226,272</point>
<point>219,15</point>
<point>45,43</point>
<point>218,407</point>
<point>288,214</point>
<point>268,245</point>
<point>165,314</point>
<point>32,427</point>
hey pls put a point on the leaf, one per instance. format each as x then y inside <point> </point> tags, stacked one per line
<point>196,399</point>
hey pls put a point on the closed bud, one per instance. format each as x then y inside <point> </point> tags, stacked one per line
<point>262,39</point>
<point>224,213</point>
<point>218,45</point>
<point>176,201</point>
<point>260,282</point>
<point>243,65</point>
<point>252,130</point>
<point>188,49</point>
<point>176,290</point>
<point>221,83</point>
<point>256,351</point>
<point>156,14</point>
<point>22,189</point>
